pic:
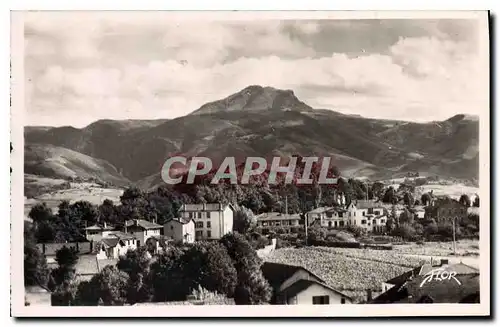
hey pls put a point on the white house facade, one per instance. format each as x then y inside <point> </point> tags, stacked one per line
<point>142,230</point>
<point>180,229</point>
<point>212,220</point>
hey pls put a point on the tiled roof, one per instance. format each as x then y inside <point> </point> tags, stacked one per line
<point>277,273</point>
<point>99,227</point>
<point>121,235</point>
<point>111,242</point>
<point>204,207</point>
<point>303,284</point>
<point>277,216</point>
<point>143,223</point>
<point>367,204</point>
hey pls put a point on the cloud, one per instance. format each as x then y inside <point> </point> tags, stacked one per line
<point>150,68</point>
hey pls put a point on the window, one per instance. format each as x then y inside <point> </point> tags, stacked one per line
<point>330,224</point>
<point>382,221</point>
<point>324,299</point>
<point>364,213</point>
<point>264,224</point>
<point>191,215</point>
<point>199,224</point>
<point>342,301</point>
<point>377,212</point>
<point>341,223</point>
<point>209,234</point>
<point>341,214</point>
<point>199,215</point>
<point>171,227</point>
<point>209,225</point>
<point>363,221</point>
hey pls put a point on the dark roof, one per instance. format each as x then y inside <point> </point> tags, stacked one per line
<point>394,294</point>
<point>277,273</point>
<point>143,223</point>
<point>398,280</point>
<point>303,284</point>
<point>122,236</point>
<point>111,242</point>
<point>272,216</point>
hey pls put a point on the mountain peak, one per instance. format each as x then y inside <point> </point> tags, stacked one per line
<point>255,98</point>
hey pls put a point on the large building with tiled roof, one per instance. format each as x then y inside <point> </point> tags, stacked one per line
<point>211,220</point>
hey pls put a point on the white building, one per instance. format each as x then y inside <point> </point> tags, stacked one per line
<point>367,214</point>
<point>142,230</point>
<point>180,229</point>
<point>97,232</point>
<point>212,220</point>
<point>115,244</point>
<point>297,285</point>
<point>331,217</point>
<point>273,221</point>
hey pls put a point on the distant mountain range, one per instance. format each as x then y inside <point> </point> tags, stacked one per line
<point>257,121</point>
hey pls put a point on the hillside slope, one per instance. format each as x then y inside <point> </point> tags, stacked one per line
<point>57,162</point>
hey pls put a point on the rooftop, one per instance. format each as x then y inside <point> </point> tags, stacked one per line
<point>277,216</point>
<point>100,227</point>
<point>145,224</point>
<point>277,273</point>
<point>204,207</point>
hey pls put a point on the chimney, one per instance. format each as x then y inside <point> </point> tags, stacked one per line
<point>105,225</point>
<point>204,206</point>
<point>136,222</point>
<point>368,295</point>
<point>125,227</point>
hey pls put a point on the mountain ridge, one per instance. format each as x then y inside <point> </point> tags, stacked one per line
<point>264,121</point>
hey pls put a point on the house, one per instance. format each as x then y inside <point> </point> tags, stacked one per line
<point>367,214</point>
<point>297,285</point>
<point>331,217</point>
<point>212,220</point>
<point>115,244</point>
<point>180,229</point>
<point>419,212</point>
<point>446,209</point>
<point>273,221</point>
<point>142,230</point>
<point>98,231</point>
<point>414,286</point>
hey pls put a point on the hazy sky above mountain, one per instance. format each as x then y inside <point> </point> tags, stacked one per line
<point>85,67</point>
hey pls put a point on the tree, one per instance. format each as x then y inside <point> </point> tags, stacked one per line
<point>406,231</point>
<point>408,199</point>
<point>108,287</point>
<point>36,271</point>
<point>426,199</point>
<point>431,229</point>
<point>377,190</point>
<point>136,264</point>
<point>252,287</point>
<point>40,213</point>
<point>209,265</point>
<point>465,200</point>
<point>167,278</point>
<point>406,217</point>
<point>66,259</point>
<point>476,202</point>
<point>243,220</point>
<point>390,196</point>
<point>65,294</point>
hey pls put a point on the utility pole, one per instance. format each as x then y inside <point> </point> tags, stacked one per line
<point>454,241</point>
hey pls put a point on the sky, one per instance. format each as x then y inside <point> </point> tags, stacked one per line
<point>91,66</point>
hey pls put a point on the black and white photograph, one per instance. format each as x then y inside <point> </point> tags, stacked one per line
<point>282,163</point>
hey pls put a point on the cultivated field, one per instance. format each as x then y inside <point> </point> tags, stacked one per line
<point>351,271</point>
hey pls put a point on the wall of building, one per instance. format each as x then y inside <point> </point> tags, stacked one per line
<point>306,296</point>
<point>268,250</point>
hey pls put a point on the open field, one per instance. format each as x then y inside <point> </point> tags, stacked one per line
<point>78,192</point>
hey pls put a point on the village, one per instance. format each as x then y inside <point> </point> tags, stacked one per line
<point>305,258</point>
